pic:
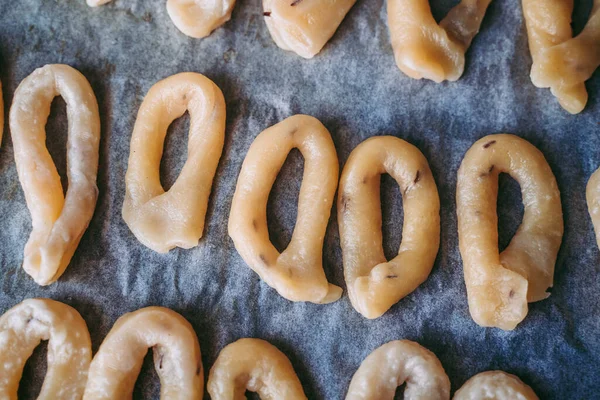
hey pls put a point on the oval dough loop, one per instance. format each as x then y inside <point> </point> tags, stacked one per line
<point>561,62</point>
<point>495,385</point>
<point>395,363</point>
<point>23,327</point>
<point>297,273</point>
<point>163,220</point>
<point>499,285</point>
<point>58,221</point>
<point>304,26</point>
<point>257,366</point>
<point>374,284</point>
<point>194,18</point>
<point>424,49</point>
<point>177,358</point>
<point>593,202</point>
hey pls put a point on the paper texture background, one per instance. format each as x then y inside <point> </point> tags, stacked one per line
<point>355,89</point>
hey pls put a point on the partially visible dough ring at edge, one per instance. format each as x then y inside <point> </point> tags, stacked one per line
<point>593,202</point>
<point>424,49</point>
<point>495,385</point>
<point>194,18</point>
<point>23,327</point>
<point>374,284</point>
<point>257,366</point>
<point>58,221</point>
<point>499,285</point>
<point>297,273</point>
<point>163,220</point>
<point>176,353</point>
<point>395,363</point>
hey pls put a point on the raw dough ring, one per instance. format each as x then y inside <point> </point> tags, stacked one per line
<point>593,202</point>
<point>117,364</point>
<point>424,49</point>
<point>495,385</point>
<point>374,284</point>
<point>162,220</point>
<point>499,285</point>
<point>23,327</point>
<point>58,222</point>
<point>297,273</point>
<point>194,18</point>
<point>561,62</point>
<point>257,366</point>
<point>395,363</point>
<point>304,26</point>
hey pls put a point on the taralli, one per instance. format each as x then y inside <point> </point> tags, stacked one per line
<point>395,363</point>
<point>499,285</point>
<point>593,202</point>
<point>163,220</point>
<point>304,26</point>
<point>257,366</point>
<point>374,284</point>
<point>297,273</point>
<point>58,221</point>
<point>424,49</point>
<point>495,385</point>
<point>561,62</point>
<point>195,18</point>
<point>117,364</point>
<point>23,327</point>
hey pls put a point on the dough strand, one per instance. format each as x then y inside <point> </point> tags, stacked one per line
<point>495,385</point>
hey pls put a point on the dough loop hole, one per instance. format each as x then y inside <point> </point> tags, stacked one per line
<point>400,392</point>
<point>392,214</point>
<point>57,128</point>
<point>174,151</point>
<point>34,372</point>
<point>147,385</point>
<point>509,208</point>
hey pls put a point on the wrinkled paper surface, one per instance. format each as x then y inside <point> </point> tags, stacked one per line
<point>355,89</point>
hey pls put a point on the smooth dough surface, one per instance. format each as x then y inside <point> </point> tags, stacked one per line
<point>499,285</point>
<point>425,49</point>
<point>304,26</point>
<point>163,220</point>
<point>561,62</point>
<point>23,327</point>
<point>495,385</point>
<point>58,221</point>
<point>593,202</point>
<point>395,363</point>
<point>176,352</point>
<point>374,284</point>
<point>257,366</point>
<point>297,273</point>
<point>194,18</point>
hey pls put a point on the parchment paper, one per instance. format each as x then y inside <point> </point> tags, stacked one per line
<point>355,89</point>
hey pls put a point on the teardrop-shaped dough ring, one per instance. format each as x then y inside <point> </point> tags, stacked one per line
<point>297,273</point>
<point>593,202</point>
<point>374,284</point>
<point>163,220</point>
<point>177,358</point>
<point>58,222</point>
<point>23,327</point>
<point>257,366</point>
<point>395,363</point>
<point>561,62</point>
<point>424,49</point>
<point>194,18</point>
<point>499,285</point>
<point>495,385</point>
<point>304,26</point>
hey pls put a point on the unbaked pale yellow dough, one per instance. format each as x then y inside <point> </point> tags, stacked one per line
<point>23,327</point>
<point>593,202</point>
<point>374,284</point>
<point>495,385</point>
<point>257,366</point>
<point>424,49</point>
<point>304,26</point>
<point>499,285</point>
<point>163,220</point>
<point>561,62</point>
<point>395,363</point>
<point>177,359</point>
<point>195,18</point>
<point>297,273</point>
<point>58,221</point>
